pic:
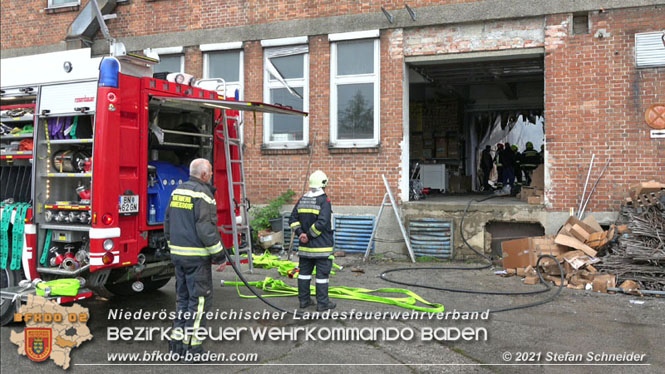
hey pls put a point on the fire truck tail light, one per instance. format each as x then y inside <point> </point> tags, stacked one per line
<point>108,72</point>
<point>108,244</point>
<point>112,97</point>
<point>107,219</point>
<point>107,258</point>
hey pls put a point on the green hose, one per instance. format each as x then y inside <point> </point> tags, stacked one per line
<point>270,261</point>
<point>7,210</point>
<point>47,244</point>
<point>17,235</point>
<point>280,289</point>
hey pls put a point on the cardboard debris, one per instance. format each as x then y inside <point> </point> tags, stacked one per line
<point>572,221</point>
<point>267,239</point>
<point>631,287</point>
<point>597,239</point>
<point>516,253</point>
<point>530,193</point>
<point>579,233</point>
<point>531,280</point>
<point>536,200</point>
<point>603,281</point>
<point>569,241</point>
<point>538,177</point>
<point>623,229</point>
<point>520,253</point>
<point>591,222</point>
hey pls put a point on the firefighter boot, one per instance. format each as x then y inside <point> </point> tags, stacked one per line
<point>322,300</point>
<point>303,293</point>
<point>194,354</point>
<point>177,346</point>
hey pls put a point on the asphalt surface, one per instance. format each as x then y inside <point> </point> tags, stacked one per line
<point>577,322</point>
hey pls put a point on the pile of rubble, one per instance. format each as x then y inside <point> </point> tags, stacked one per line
<point>631,251</point>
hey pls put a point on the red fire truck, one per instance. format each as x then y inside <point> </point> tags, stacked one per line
<point>91,150</point>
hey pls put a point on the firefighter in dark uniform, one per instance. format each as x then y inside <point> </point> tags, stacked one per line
<point>531,160</point>
<point>190,226</point>
<point>311,220</point>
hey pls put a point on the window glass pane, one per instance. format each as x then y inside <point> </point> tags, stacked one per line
<point>355,57</point>
<point>286,127</point>
<point>289,66</point>
<point>168,64</point>
<point>225,65</point>
<point>355,111</point>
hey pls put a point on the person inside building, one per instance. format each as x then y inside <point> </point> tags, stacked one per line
<point>190,227</point>
<point>508,161</point>
<point>498,161</point>
<point>486,166</point>
<point>311,220</point>
<point>531,160</point>
<point>517,160</point>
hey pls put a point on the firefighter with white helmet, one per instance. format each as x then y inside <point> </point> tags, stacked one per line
<point>311,220</point>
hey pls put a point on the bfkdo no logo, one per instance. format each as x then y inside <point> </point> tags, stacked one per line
<point>38,343</point>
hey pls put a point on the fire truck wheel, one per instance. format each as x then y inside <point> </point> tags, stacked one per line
<point>125,288</point>
<point>8,278</point>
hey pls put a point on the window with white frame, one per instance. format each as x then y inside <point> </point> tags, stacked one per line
<point>63,3</point>
<point>174,63</point>
<point>227,65</point>
<point>286,82</point>
<point>354,93</point>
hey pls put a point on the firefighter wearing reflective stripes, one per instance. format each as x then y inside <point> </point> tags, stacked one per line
<point>311,221</point>
<point>190,226</point>
<point>531,160</point>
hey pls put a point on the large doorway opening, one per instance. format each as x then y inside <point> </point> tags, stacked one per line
<point>459,105</point>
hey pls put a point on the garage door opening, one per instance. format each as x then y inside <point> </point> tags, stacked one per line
<point>458,107</point>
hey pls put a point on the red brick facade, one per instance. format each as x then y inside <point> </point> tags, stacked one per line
<point>595,98</point>
<point>355,177</point>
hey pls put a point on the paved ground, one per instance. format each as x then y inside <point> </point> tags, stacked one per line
<point>576,322</point>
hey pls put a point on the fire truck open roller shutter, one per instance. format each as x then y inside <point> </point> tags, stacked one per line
<point>246,106</point>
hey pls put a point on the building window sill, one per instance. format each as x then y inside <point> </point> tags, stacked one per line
<point>266,151</point>
<point>62,9</point>
<point>333,149</point>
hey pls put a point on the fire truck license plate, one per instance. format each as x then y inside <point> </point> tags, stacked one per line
<point>129,205</point>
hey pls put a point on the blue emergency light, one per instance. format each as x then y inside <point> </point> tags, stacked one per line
<point>108,72</point>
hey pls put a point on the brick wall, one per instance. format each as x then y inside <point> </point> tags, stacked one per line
<point>25,22</point>
<point>355,178</point>
<point>595,101</point>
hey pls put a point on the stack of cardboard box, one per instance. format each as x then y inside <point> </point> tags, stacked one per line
<point>575,247</point>
<point>534,193</point>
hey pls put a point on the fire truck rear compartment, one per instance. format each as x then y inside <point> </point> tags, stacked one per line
<point>179,133</point>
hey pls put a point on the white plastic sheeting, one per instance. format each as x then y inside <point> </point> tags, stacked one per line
<point>518,133</point>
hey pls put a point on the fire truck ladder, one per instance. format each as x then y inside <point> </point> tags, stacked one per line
<point>237,228</point>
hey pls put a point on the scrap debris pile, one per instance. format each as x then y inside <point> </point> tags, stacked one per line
<point>639,254</point>
<point>631,252</point>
